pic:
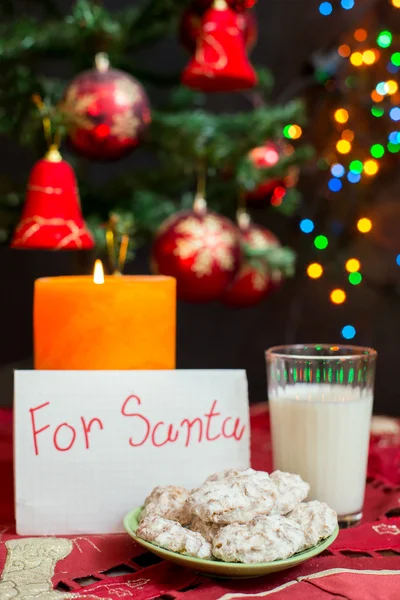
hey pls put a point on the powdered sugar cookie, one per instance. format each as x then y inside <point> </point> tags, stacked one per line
<point>172,536</point>
<point>237,473</point>
<point>265,539</point>
<point>207,530</point>
<point>234,499</point>
<point>316,519</point>
<point>291,491</point>
<point>167,501</point>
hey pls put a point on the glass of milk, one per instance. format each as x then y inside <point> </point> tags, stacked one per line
<point>320,400</point>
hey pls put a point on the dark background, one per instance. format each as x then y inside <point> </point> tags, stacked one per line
<point>211,335</point>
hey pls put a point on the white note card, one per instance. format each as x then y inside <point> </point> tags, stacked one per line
<point>90,445</point>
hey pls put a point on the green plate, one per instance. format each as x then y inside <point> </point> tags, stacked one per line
<point>216,568</point>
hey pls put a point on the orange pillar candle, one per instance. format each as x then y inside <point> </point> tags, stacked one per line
<point>127,322</point>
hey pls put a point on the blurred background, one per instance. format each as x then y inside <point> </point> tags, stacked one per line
<point>309,154</point>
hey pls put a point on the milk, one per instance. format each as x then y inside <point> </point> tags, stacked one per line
<point>322,433</point>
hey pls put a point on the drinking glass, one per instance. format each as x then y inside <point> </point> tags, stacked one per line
<point>320,401</point>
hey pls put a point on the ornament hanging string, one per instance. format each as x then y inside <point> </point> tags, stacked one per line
<point>200,204</point>
<point>116,266</point>
<point>53,141</point>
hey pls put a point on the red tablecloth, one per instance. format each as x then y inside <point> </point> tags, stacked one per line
<point>363,563</point>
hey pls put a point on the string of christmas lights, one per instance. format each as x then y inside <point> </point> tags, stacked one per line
<point>351,162</point>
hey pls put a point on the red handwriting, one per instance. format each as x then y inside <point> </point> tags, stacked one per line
<point>33,423</point>
<point>87,428</point>
<point>146,421</point>
<point>65,434</point>
<point>208,427</point>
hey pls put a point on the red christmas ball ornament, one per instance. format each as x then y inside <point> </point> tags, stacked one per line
<point>254,280</point>
<point>271,189</point>
<point>238,5</point>
<point>200,249</point>
<point>52,218</point>
<point>107,110</point>
<point>220,63</point>
<point>190,27</point>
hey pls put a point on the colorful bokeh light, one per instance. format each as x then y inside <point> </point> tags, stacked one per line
<point>321,242</point>
<point>338,170</point>
<point>344,51</point>
<point>325,8</point>
<point>348,135</point>
<point>395,113</point>
<point>371,167</point>
<point>360,35</point>
<point>338,296</point>
<point>355,278</point>
<point>384,39</point>
<point>356,59</point>
<point>394,137</point>
<point>341,115</point>
<point>356,166</point>
<point>295,132</point>
<point>392,87</point>
<point>377,150</point>
<point>348,332</point>
<point>393,148</point>
<point>377,111</point>
<point>376,97</point>
<point>353,265</point>
<point>398,260</point>
<point>382,88</point>
<point>306,225</point>
<point>334,184</point>
<point>369,57</point>
<point>395,58</point>
<point>315,271</point>
<point>353,177</point>
<point>364,225</point>
<point>343,146</point>
<point>347,4</point>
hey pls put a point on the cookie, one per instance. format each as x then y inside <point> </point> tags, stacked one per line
<point>234,499</point>
<point>316,519</point>
<point>265,539</point>
<point>172,536</point>
<point>291,491</point>
<point>167,501</point>
<point>228,472</point>
<point>207,530</point>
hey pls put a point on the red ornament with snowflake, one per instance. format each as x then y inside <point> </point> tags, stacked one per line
<point>254,280</point>
<point>107,112</point>
<point>200,249</point>
<point>272,189</point>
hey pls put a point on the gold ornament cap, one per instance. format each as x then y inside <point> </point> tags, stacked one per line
<point>53,155</point>
<point>243,219</point>
<point>220,5</point>
<point>200,205</point>
<point>101,62</point>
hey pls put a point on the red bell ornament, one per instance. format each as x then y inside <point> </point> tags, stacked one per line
<point>190,27</point>
<point>107,112</point>
<point>51,217</point>
<point>200,249</point>
<point>220,63</point>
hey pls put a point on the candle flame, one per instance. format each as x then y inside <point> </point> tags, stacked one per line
<point>98,273</point>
